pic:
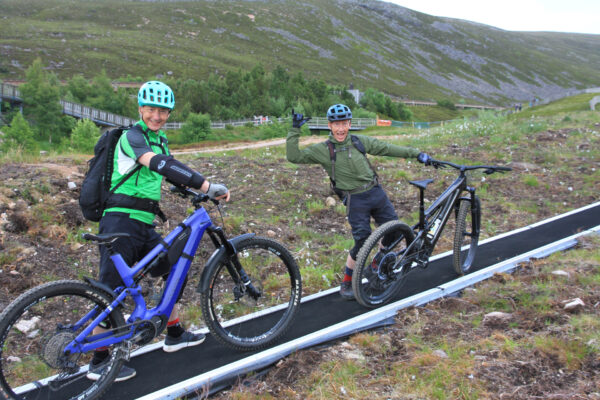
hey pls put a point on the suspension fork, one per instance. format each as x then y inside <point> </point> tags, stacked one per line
<point>475,211</point>
<point>232,263</point>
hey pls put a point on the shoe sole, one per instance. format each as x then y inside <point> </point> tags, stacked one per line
<point>94,376</point>
<point>175,347</point>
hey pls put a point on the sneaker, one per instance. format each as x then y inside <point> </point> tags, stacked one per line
<point>187,339</point>
<point>95,371</point>
<point>346,290</point>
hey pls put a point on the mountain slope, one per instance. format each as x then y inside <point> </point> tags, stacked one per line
<point>367,43</point>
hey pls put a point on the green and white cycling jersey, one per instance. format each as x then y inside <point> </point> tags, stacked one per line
<point>145,184</point>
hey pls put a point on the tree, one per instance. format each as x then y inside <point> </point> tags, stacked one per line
<point>41,98</point>
<point>445,103</point>
<point>84,136</point>
<point>18,136</point>
<point>404,113</point>
<point>196,127</point>
<point>79,88</point>
<point>104,97</point>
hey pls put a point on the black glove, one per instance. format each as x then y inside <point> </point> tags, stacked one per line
<point>424,158</point>
<point>298,119</point>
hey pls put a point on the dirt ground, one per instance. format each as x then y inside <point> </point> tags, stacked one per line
<point>40,220</point>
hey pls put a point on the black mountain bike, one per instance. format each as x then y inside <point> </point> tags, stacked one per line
<point>394,249</point>
<point>48,336</point>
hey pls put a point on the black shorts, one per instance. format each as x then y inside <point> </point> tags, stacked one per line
<point>143,239</point>
<point>372,203</point>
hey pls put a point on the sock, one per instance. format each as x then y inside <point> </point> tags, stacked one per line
<point>348,274</point>
<point>174,328</point>
<point>100,354</point>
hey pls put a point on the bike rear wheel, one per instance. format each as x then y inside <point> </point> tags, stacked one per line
<point>34,331</point>
<point>229,307</point>
<point>382,264</point>
<point>466,235</point>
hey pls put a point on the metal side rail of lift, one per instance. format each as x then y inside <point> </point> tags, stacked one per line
<point>325,316</point>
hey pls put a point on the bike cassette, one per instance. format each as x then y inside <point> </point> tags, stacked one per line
<point>53,350</point>
<point>386,264</point>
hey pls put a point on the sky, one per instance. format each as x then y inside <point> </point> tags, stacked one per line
<point>580,16</point>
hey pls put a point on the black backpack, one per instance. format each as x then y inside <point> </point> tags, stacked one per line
<point>95,188</point>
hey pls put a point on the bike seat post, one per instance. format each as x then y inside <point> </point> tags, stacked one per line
<point>109,248</point>
<point>421,208</point>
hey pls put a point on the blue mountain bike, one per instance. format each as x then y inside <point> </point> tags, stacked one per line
<point>46,334</point>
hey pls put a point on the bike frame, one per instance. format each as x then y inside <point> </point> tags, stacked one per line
<point>422,246</point>
<point>199,222</point>
<point>447,201</point>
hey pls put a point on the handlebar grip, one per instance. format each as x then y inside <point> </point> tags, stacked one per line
<point>503,168</point>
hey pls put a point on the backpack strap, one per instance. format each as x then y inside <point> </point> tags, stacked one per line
<point>332,157</point>
<point>111,158</point>
<point>361,148</point>
<point>162,143</point>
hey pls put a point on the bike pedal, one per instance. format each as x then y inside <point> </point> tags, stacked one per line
<point>125,354</point>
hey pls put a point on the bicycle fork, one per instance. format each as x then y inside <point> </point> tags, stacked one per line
<point>232,263</point>
<point>475,210</point>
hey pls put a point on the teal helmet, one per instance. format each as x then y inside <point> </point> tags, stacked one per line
<point>155,93</point>
<point>339,112</point>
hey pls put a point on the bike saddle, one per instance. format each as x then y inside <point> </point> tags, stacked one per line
<point>421,184</point>
<point>103,238</point>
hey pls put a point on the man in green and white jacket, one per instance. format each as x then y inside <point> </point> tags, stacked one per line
<point>133,206</point>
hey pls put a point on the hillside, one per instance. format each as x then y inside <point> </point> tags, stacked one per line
<point>367,43</point>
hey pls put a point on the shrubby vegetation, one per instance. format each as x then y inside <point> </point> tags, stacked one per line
<point>99,93</point>
<point>236,95</point>
<point>42,109</point>
<point>84,136</point>
<point>18,137</point>
<point>196,128</point>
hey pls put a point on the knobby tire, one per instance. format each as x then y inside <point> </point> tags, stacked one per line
<point>36,356</point>
<point>466,234</point>
<point>274,272</point>
<point>375,286</point>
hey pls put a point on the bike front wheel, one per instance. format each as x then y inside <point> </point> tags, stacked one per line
<point>466,235</point>
<point>254,314</point>
<point>34,331</point>
<point>382,264</point>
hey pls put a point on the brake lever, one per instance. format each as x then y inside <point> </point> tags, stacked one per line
<point>178,190</point>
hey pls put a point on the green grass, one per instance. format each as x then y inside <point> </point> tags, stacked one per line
<point>530,180</point>
<point>561,108</point>
<point>436,113</point>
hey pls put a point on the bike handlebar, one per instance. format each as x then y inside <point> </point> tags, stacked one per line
<point>489,169</point>
<point>197,198</point>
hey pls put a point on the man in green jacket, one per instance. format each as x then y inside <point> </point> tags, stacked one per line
<point>133,206</point>
<point>351,176</point>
